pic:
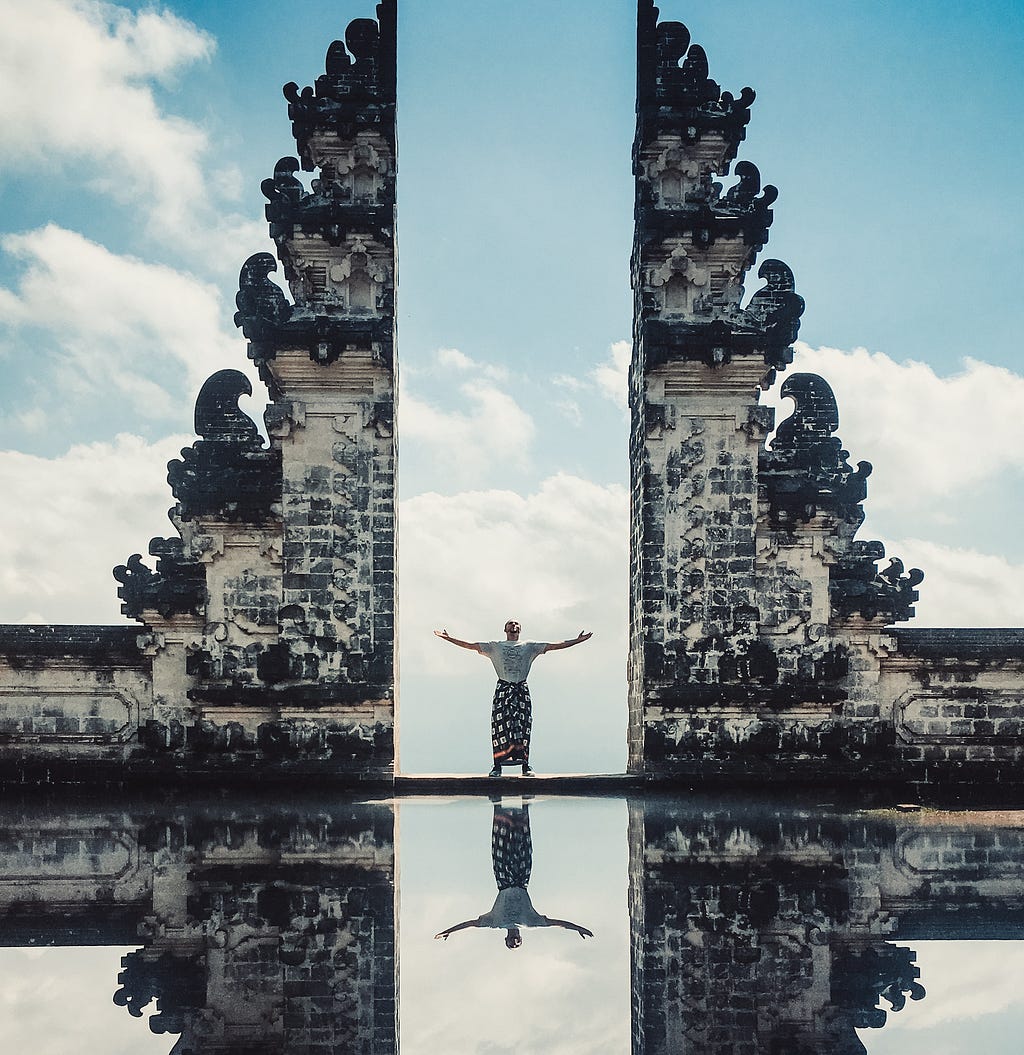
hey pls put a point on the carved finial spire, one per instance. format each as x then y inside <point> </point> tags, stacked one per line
<point>357,89</point>
<point>335,240</point>
<point>694,245</point>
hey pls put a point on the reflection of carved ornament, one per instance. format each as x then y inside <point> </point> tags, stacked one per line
<point>102,856</point>
<point>945,854</point>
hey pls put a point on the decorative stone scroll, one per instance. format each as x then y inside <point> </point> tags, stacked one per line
<point>228,473</point>
<point>356,92</point>
<point>804,470</point>
<point>675,95</point>
<point>178,585</point>
<point>857,587</point>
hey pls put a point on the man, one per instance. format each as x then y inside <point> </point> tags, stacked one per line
<point>511,711</point>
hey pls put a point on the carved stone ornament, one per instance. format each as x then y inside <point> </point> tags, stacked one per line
<point>357,88</point>
<point>176,587</point>
<point>805,470</point>
<point>228,473</point>
<point>271,323</point>
<point>331,210</point>
<point>767,327</point>
<point>857,587</point>
<point>675,95</point>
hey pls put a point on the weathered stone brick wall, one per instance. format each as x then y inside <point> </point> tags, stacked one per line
<point>70,692</point>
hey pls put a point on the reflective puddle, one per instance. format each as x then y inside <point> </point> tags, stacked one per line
<point>552,924</point>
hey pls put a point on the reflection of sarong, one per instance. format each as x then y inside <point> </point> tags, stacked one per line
<point>511,721</point>
<point>511,847</point>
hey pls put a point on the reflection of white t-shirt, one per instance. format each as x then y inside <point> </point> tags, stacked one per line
<point>513,908</point>
<point>512,659</point>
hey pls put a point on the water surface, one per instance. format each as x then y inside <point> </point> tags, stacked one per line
<point>599,925</point>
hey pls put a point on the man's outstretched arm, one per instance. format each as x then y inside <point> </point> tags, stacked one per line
<point>445,636</point>
<point>583,636</point>
<point>581,931</point>
<point>458,926</point>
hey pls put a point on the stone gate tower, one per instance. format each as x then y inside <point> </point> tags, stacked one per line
<point>267,639</point>
<point>293,637</point>
<point>761,637</point>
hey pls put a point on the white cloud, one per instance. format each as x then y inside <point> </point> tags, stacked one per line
<point>612,376</point>
<point>494,428</point>
<point>549,559</point>
<point>453,359</point>
<point>118,322</point>
<point>926,435</point>
<point>574,384</point>
<point>963,587</point>
<point>77,516</point>
<point>571,411</point>
<point>76,92</point>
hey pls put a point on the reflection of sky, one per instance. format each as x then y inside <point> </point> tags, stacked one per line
<point>58,1001</point>
<point>975,1002</point>
<point>557,993</point>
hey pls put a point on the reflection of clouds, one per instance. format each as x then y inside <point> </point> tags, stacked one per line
<point>557,994</point>
<point>966,981</point>
<point>56,1001</point>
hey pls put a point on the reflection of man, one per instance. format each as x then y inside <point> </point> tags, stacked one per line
<point>511,711</point>
<point>512,854</point>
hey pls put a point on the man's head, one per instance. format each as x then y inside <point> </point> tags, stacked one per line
<point>512,630</point>
<point>513,939</point>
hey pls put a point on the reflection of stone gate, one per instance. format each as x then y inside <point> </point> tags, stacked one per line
<point>772,930</point>
<point>262,930</point>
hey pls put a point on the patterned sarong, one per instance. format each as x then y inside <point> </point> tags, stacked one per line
<point>511,722</point>
<point>511,846</point>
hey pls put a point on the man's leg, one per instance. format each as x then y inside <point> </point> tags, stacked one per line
<point>499,726</point>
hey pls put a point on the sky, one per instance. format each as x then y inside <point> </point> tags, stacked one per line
<point>133,139</point>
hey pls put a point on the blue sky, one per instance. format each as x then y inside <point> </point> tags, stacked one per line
<point>133,139</point>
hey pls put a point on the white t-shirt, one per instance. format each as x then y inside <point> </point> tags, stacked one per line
<point>512,659</point>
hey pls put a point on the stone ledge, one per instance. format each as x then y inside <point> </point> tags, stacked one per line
<point>969,643</point>
<point>116,645</point>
